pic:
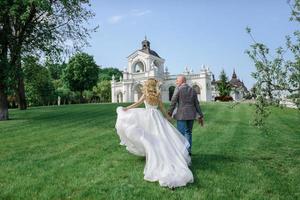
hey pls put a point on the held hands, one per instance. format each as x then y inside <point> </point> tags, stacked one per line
<point>125,109</point>
<point>201,121</point>
<point>170,119</point>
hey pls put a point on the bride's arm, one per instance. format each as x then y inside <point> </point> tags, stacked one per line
<point>163,110</point>
<point>136,104</point>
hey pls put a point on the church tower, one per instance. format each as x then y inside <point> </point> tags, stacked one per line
<point>145,63</point>
<point>146,44</point>
<point>142,64</point>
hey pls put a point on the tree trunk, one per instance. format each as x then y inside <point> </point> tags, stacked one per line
<point>4,67</point>
<point>21,94</point>
<point>81,97</point>
<point>3,103</point>
<point>20,91</point>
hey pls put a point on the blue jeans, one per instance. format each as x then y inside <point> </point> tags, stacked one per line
<point>185,127</point>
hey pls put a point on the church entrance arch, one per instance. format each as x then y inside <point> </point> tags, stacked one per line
<point>119,97</point>
<point>171,92</point>
<point>198,91</point>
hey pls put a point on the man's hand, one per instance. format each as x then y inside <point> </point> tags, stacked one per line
<point>169,119</point>
<point>201,121</point>
<point>170,114</point>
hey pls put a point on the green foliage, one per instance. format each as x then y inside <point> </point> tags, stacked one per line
<point>107,73</point>
<point>45,26</point>
<point>103,91</point>
<point>296,99</point>
<point>55,69</point>
<point>38,85</point>
<point>277,77</point>
<point>81,72</point>
<point>88,95</point>
<point>293,67</point>
<point>38,27</point>
<point>103,88</point>
<point>223,86</point>
<point>271,75</point>
<point>295,7</point>
<point>261,111</point>
<point>65,94</point>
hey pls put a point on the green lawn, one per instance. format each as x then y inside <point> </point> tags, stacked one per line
<point>73,152</point>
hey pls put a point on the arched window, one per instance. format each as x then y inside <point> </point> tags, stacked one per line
<point>119,97</point>
<point>138,67</point>
<point>156,63</point>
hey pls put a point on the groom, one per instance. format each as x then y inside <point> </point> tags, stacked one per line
<point>188,108</point>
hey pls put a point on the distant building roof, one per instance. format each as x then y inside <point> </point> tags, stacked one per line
<point>234,82</point>
<point>146,48</point>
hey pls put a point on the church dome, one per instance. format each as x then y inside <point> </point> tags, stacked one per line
<point>146,48</point>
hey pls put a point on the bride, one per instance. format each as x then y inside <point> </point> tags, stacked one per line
<point>147,132</point>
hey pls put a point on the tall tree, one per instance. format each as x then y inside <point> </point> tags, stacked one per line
<point>223,86</point>
<point>81,73</point>
<point>276,75</point>
<point>38,26</point>
<point>4,63</point>
<point>38,84</point>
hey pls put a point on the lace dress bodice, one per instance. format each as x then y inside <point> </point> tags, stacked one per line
<point>150,106</point>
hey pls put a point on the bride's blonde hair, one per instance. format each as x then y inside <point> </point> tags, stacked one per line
<point>151,91</point>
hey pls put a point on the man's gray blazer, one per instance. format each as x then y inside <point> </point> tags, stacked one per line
<point>187,103</point>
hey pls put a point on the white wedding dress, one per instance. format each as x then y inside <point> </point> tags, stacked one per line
<point>145,132</point>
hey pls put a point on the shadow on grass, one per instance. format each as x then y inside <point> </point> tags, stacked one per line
<point>210,161</point>
<point>215,162</point>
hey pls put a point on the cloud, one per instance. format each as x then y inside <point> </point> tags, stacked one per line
<point>115,19</point>
<point>139,13</point>
<point>132,14</point>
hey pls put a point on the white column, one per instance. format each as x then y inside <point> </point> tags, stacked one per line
<point>209,90</point>
<point>113,99</point>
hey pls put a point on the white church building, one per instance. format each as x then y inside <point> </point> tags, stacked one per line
<point>146,63</point>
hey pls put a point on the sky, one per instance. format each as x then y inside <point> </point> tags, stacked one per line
<point>189,33</point>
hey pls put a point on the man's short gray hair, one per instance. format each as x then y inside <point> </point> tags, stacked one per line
<point>183,77</point>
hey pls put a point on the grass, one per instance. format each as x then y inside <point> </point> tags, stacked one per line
<point>73,152</point>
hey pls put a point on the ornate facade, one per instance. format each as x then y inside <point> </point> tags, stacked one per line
<point>146,63</point>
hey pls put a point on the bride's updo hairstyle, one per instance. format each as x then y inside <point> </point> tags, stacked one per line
<point>151,91</point>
